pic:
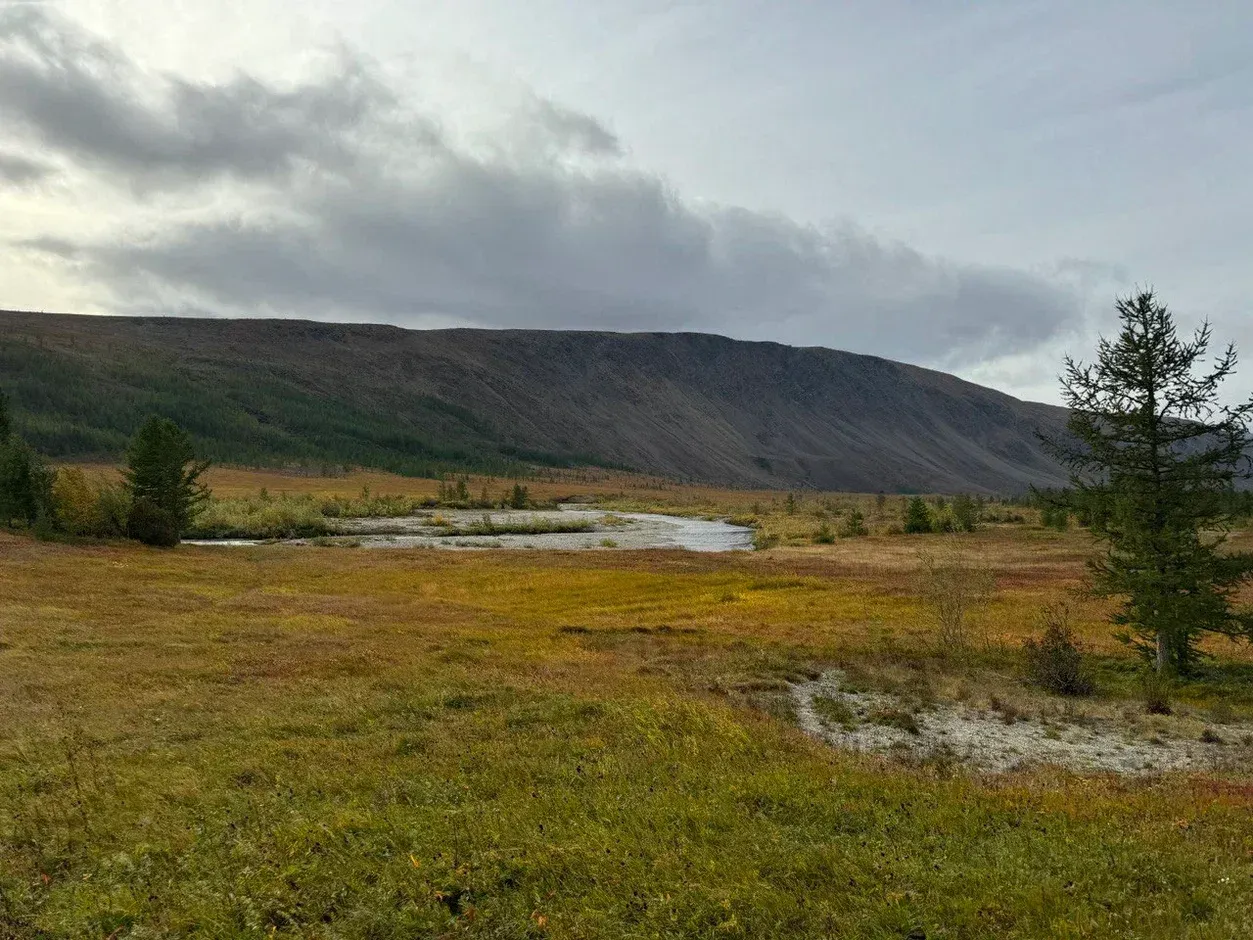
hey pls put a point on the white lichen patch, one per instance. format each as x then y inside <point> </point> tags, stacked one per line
<point>987,740</point>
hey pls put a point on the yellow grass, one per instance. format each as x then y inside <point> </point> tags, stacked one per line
<point>377,743</point>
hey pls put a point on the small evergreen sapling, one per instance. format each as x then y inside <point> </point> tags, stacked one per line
<point>854,525</point>
<point>917,517</point>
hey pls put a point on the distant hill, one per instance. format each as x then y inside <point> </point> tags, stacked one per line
<point>685,405</point>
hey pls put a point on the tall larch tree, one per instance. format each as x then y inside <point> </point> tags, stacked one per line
<point>1154,457</point>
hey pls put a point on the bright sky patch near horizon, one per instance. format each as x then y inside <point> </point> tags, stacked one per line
<point>960,185</point>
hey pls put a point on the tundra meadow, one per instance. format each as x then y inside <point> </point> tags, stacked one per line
<point>293,740</point>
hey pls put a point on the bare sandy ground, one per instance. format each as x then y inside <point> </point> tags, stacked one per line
<point>985,740</point>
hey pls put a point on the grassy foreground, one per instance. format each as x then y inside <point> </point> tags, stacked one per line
<point>336,743</point>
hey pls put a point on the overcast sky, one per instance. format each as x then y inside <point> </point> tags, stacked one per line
<point>958,184</point>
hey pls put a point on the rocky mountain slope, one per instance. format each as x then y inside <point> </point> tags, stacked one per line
<point>685,405</point>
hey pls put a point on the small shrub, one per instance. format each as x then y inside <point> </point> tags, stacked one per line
<point>1222,713</point>
<point>152,525</point>
<point>1055,661</point>
<point>952,585</point>
<point>763,540</point>
<point>1155,691</point>
<point>608,543</point>
<point>835,711</point>
<point>896,718</point>
<point>1008,711</point>
<point>824,535</point>
<point>1210,736</point>
<point>854,525</point>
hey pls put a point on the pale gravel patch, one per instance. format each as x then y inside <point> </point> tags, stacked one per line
<point>984,741</point>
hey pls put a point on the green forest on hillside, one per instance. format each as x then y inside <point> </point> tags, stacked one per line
<point>78,403</point>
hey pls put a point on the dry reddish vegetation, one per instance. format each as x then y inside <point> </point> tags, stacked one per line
<point>342,742</point>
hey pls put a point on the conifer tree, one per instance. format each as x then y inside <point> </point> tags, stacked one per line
<point>1153,458</point>
<point>965,513</point>
<point>917,516</point>
<point>25,484</point>
<point>163,477</point>
<point>25,480</point>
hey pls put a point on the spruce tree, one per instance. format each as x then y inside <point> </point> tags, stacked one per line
<point>25,480</point>
<point>1153,458</point>
<point>25,484</point>
<point>163,476</point>
<point>917,516</point>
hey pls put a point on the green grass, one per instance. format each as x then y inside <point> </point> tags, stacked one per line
<point>834,711</point>
<point>504,811</point>
<point>488,526</point>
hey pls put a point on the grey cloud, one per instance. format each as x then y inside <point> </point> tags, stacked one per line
<point>21,171</point>
<point>413,227</point>
<point>571,130</point>
<point>87,100</point>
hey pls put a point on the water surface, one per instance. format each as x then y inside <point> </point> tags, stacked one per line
<point>634,530</point>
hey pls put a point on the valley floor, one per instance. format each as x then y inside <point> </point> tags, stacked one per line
<point>332,742</point>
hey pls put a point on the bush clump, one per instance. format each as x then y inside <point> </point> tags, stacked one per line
<point>92,507</point>
<point>274,517</point>
<point>1055,661</point>
<point>151,524</point>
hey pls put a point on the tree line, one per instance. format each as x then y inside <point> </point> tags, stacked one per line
<point>157,499</point>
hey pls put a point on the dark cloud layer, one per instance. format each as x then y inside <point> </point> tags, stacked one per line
<point>392,220</point>
<point>85,99</point>
<point>20,171</point>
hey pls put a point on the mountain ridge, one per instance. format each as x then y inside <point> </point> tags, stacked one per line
<point>688,405</point>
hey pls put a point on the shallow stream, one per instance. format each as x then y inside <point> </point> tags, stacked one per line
<point>609,530</point>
